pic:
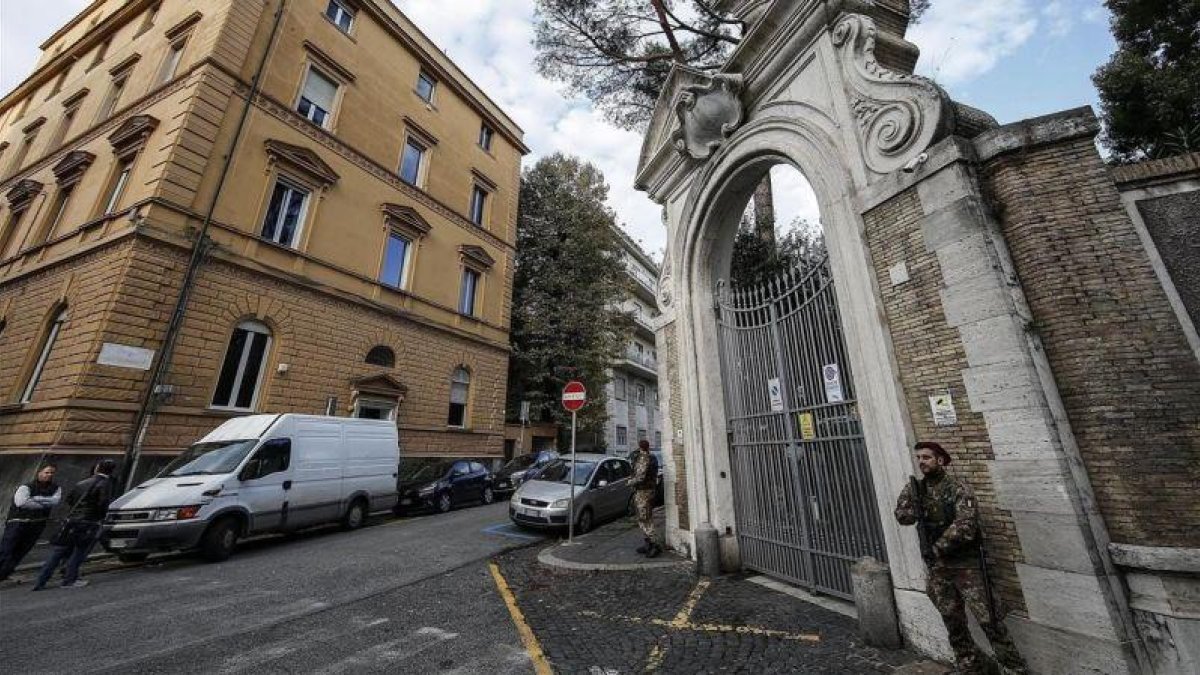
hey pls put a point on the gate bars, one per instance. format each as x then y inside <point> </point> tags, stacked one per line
<point>803,497</point>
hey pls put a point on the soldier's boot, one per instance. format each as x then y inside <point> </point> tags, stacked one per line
<point>655,550</point>
<point>644,549</point>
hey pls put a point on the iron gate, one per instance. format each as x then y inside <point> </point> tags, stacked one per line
<point>802,489</point>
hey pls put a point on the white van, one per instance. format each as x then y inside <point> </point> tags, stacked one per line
<point>258,474</point>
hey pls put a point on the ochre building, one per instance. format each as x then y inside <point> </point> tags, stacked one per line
<point>357,196</point>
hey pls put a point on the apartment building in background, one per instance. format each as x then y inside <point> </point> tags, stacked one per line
<point>633,383</point>
<point>359,247</point>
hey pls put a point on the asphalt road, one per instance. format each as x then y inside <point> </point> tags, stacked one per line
<point>410,595</point>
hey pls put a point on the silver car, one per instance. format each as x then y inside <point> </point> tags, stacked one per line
<point>602,492</point>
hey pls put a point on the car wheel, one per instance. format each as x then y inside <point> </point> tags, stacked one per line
<point>444,503</point>
<point>583,524</point>
<point>488,495</point>
<point>220,540</point>
<point>128,558</point>
<point>355,516</point>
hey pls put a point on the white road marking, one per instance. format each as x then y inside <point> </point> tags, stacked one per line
<point>390,652</point>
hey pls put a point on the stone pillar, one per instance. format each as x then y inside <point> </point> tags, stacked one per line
<point>878,622</point>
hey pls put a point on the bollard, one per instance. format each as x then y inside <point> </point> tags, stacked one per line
<point>708,551</point>
<point>876,604</point>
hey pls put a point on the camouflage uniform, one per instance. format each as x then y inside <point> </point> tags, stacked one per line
<point>643,496</point>
<point>956,582</point>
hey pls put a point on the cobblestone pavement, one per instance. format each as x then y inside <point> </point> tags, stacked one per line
<point>668,620</point>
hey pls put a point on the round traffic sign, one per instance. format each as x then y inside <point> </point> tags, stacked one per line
<point>574,395</point>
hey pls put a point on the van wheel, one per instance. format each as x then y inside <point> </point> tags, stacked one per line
<point>219,541</point>
<point>488,495</point>
<point>583,524</point>
<point>355,516</point>
<point>128,558</point>
<point>443,503</point>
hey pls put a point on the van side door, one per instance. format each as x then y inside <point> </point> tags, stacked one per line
<point>317,471</point>
<point>266,484</point>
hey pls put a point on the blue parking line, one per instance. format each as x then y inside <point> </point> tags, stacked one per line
<point>508,530</point>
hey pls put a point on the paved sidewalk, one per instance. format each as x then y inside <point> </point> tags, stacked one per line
<point>611,547</point>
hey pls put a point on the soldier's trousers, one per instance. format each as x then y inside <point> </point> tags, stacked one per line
<point>644,501</point>
<point>953,592</point>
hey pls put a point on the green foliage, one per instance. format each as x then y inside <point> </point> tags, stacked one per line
<point>570,276</point>
<point>756,261</point>
<point>1150,89</point>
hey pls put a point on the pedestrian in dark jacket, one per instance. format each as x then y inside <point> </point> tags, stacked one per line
<point>27,518</point>
<point>89,501</point>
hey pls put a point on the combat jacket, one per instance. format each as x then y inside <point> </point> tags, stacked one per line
<point>951,519</point>
<point>642,480</point>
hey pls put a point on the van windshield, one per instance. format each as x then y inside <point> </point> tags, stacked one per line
<point>209,458</point>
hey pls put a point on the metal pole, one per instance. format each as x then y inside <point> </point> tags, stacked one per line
<point>571,486</point>
<point>521,443</point>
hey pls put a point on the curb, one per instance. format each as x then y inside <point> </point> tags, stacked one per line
<point>546,557</point>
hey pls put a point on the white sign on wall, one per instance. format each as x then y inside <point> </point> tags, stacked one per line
<point>775,389</point>
<point>942,406</point>
<point>832,375</point>
<point>125,356</point>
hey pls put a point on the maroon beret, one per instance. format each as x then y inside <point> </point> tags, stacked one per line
<point>936,448</point>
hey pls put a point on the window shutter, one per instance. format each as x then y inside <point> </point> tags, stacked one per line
<point>320,89</point>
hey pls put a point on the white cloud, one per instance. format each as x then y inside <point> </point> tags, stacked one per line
<point>1059,16</point>
<point>963,39</point>
<point>24,26</point>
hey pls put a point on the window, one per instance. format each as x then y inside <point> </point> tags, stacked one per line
<point>621,470</point>
<point>101,52</point>
<point>381,355</point>
<point>24,109</point>
<point>285,213</point>
<point>22,152</point>
<point>171,62</point>
<point>485,137</point>
<point>114,95</point>
<point>148,19</point>
<point>340,14</point>
<point>412,162</point>
<point>476,467</point>
<point>56,214</point>
<point>44,355</point>
<point>395,260</point>
<point>478,204</point>
<point>375,409</point>
<point>641,394</point>
<point>14,221</point>
<point>273,457</point>
<point>658,439</point>
<point>619,388</point>
<point>118,186</point>
<point>317,97</point>
<point>58,83</point>
<point>622,436</point>
<point>242,369</point>
<point>460,389</point>
<point>426,86</point>
<point>470,288</point>
<point>64,125</point>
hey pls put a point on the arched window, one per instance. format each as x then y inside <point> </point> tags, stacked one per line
<point>242,369</point>
<point>381,356</point>
<point>44,355</point>
<point>460,390</point>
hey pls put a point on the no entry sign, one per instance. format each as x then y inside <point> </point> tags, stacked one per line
<point>574,395</point>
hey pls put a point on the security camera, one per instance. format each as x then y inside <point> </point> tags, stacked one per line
<point>913,163</point>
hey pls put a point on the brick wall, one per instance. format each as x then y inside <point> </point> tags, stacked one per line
<point>931,359</point>
<point>1129,380</point>
<point>671,421</point>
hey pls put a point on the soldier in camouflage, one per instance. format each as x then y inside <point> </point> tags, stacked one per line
<point>644,481</point>
<point>950,546</point>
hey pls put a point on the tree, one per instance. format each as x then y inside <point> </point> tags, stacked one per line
<point>755,262</point>
<point>570,277</point>
<point>1150,88</point>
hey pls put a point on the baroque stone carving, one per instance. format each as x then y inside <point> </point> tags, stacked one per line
<point>708,112</point>
<point>899,115</point>
<point>666,297</point>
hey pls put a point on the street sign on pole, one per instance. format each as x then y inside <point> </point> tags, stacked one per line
<point>574,396</point>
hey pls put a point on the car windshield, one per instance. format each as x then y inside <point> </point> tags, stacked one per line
<point>216,457</point>
<point>557,471</point>
<point>423,469</point>
<point>518,463</point>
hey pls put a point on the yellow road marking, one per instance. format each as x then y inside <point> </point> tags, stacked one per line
<point>708,627</point>
<point>534,648</point>
<point>656,658</point>
<point>685,613</point>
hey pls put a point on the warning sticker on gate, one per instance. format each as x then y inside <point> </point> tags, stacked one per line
<point>808,426</point>
<point>775,389</point>
<point>832,375</point>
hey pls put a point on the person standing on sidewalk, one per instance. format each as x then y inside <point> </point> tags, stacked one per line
<point>27,518</point>
<point>944,509</point>
<point>645,480</point>
<point>80,530</point>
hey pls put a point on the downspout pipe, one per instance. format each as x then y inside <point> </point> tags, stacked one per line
<point>200,248</point>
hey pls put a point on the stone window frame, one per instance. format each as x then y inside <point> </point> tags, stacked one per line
<point>127,143</point>
<point>120,75</point>
<point>621,434</point>
<point>619,392</point>
<point>35,366</point>
<point>474,259</point>
<point>316,59</point>
<point>346,7</point>
<point>382,356</point>
<point>148,18</point>
<point>424,74</point>
<point>29,136</point>
<point>405,222</point>
<point>466,406</point>
<point>20,201</point>
<point>416,133</point>
<point>70,110</point>
<point>69,173</point>
<point>481,184</point>
<point>177,38</point>
<point>303,168</point>
<point>487,136</point>
<point>639,390</point>
<point>250,325</point>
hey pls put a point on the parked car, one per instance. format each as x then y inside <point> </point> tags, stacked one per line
<point>440,484</point>
<point>520,469</point>
<point>600,484</point>
<point>258,474</point>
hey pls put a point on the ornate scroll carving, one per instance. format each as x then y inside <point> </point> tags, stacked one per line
<point>708,113</point>
<point>666,296</point>
<point>899,115</point>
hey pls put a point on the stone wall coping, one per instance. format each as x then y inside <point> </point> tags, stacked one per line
<point>1154,170</point>
<point>1160,558</point>
<point>1053,128</point>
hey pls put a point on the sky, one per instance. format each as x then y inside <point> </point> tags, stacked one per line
<point>1014,59</point>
